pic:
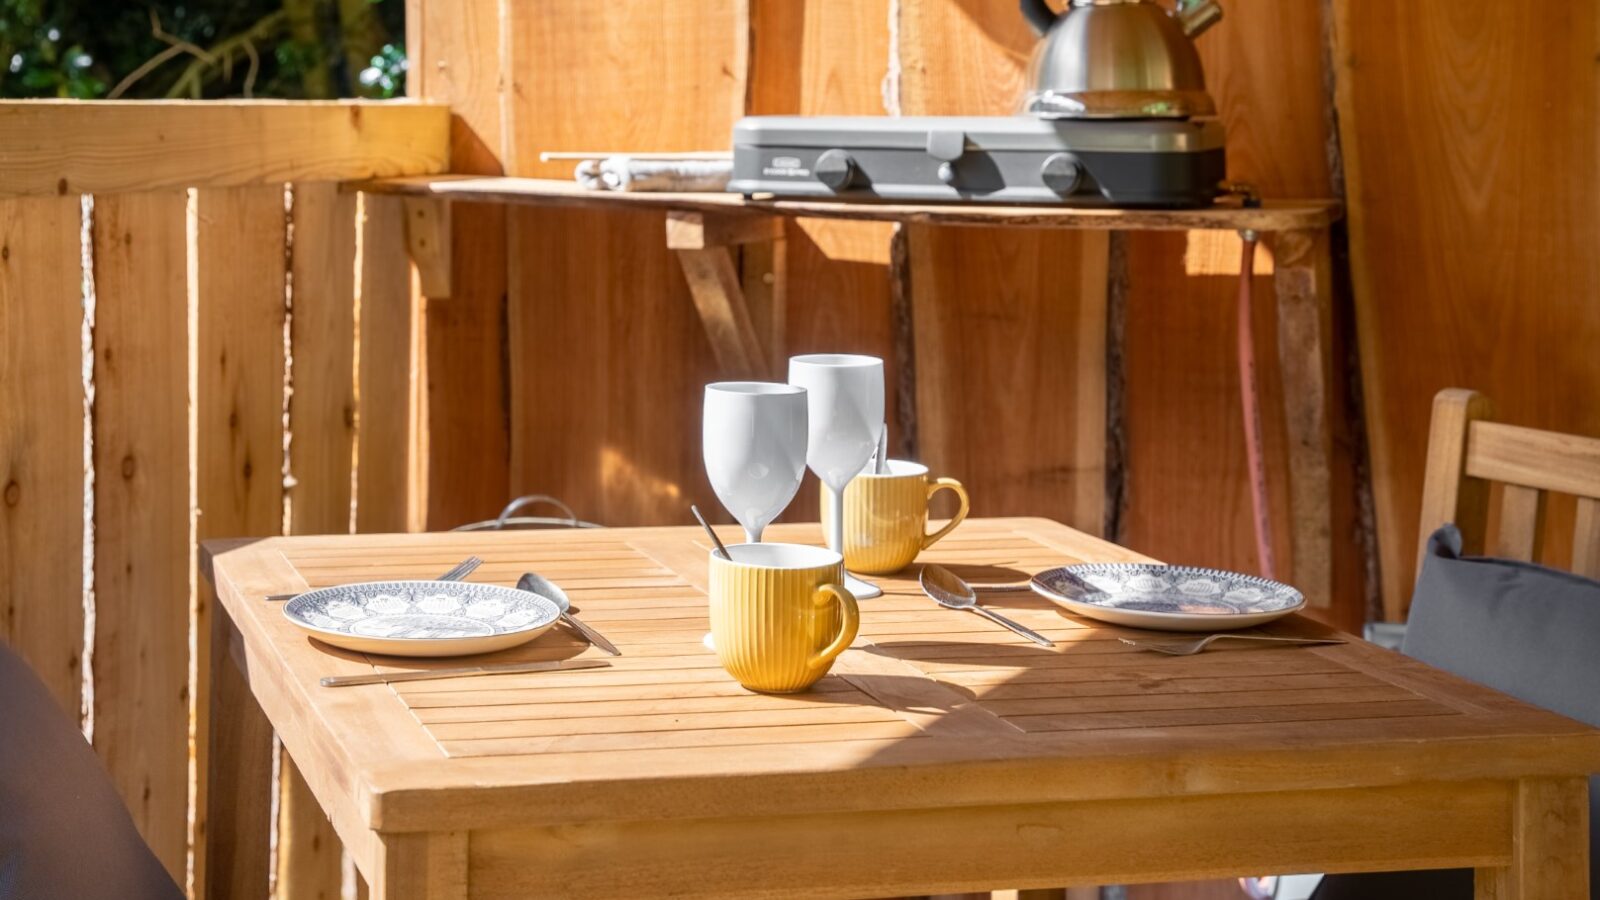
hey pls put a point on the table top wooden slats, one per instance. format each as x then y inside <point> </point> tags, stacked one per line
<point>926,702</point>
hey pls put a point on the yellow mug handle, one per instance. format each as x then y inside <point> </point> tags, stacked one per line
<point>947,484</point>
<point>831,593</point>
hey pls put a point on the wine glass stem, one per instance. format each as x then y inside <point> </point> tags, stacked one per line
<point>836,522</point>
<point>752,535</point>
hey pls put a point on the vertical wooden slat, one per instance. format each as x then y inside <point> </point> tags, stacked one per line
<point>389,458</point>
<point>994,309</point>
<point>144,556</point>
<point>1448,495</point>
<point>831,278</point>
<point>469,408</point>
<point>237,279</point>
<point>1586,538</point>
<point>1521,529</point>
<point>322,423</point>
<point>41,440</point>
<point>322,411</point>
<point>606,348</point>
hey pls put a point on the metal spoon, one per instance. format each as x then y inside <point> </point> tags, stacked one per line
<point>947,589</point>
<point>544,587</point>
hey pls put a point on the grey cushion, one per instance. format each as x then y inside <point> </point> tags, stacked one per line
<point>1523,629</point>
<point>64,832</point>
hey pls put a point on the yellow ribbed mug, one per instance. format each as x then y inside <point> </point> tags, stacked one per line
<point>780,614</point>
<point>886,516</point>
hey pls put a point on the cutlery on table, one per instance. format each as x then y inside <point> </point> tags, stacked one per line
<point>457,572</point>
<point>948,590</point>
<point>559,665</point>
<point>1191,647</point>
<point>544,587</point>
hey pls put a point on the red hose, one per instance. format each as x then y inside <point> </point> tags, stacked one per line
<point>1250,401</point>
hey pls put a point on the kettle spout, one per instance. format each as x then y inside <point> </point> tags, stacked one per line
<point>1197,16</point>
<point>1039,15</point>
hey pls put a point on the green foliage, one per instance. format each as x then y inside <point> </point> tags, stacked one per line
<point>201,48</point>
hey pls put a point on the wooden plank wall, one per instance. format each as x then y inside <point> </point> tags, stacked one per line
<point>606,355</point>
<point>223,388</point>
<point>1471,134</point>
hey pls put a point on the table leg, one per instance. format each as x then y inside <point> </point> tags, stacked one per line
<point>1549,844</point>
<point>423,866</point>
<point>238,822</point>
<point>1303,278</point>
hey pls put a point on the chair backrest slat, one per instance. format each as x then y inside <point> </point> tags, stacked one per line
<point>1467,451</point>
<point>1521,527</point>
<point>1547,460</point>
<point>1586,539</point>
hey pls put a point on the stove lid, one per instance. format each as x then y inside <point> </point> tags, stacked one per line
<point>981,133</point>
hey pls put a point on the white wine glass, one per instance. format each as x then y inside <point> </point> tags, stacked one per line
<point>845,396</point>
<point>753,439</point>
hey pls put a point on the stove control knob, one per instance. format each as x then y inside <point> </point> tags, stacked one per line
<point>836,169</point>
<point>1062,173</point>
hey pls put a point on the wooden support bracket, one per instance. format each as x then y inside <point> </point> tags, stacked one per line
<point>428,240</point>
<point>704,245</point>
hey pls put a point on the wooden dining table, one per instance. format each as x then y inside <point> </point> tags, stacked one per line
<point>941,754</point>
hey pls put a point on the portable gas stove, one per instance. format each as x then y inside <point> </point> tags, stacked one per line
<point>987,159</point>
<point>1117,115</point>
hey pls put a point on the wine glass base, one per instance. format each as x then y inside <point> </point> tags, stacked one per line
<point>861,590</point>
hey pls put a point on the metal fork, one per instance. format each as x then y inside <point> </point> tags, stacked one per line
<point>1191,647</point>
<point>458,572</point>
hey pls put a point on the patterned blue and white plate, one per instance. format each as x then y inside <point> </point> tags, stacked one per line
<point>422,618</point>
<point>1168,598</point>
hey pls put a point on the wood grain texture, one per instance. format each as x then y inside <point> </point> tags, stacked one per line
<point>1549,856</point>
<point>389,459</point>
<point>237,281</point>
<point>322,412</point>
<point>993,310</point>
<point>322,420</point>
<point>61,147</point>
<point>309,864</point>
<point>1264,67</point>
<point>933,724</point>
<point>144,553</point>
<point>41,440</point>
<point>1273,215</point>
<point>1458,207</point>
<point>1448,495</point>
<point>469,412</point>
<point>607,351</point>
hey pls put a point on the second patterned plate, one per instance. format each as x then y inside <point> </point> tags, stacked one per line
<point>1168,598</point>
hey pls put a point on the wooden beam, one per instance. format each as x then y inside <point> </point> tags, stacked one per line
<point>699,231</point>
<point>428,240</point>
<point>59,147</point>
<point>1303,274</point>
<point>719,297</point>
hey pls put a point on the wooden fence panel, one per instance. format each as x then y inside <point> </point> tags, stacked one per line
<point>238,281</point>
<point>390,484</point>
<point>144,553</point>
<point>322,423</point>
<point>41,440</point>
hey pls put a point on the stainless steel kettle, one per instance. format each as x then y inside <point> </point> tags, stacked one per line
<point>1119,59</point>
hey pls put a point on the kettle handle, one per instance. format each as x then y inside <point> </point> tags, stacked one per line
<point>1039,15</point>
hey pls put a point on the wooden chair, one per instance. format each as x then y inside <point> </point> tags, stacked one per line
<point>1467,451</point>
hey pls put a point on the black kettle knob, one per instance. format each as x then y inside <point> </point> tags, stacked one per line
<point>836,169</point>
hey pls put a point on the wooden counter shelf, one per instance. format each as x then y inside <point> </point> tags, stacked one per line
<point>745,332</point>
<point>1274,216</point>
